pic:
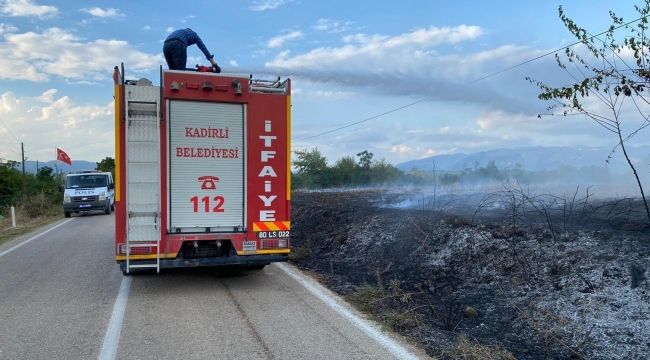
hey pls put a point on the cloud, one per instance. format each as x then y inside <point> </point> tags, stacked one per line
<point>332,26</point>
<point>26,8</point>
<point>429,142</point>
<point>195,60</point>
<point>571,126</point>
<point>101,13</point>
<point>370,136</point>
<point>184,20</point>
<point>55,52</point>
<point>147,27</point>
<point>500,128</point>
<point>170,29</point>
<point>261,5</point>
<point>401,148</point>
<point>233,63</point>
<point>404,151</point>
<point>278,41</point>
<point>7,28</point>
<point>432,130</point>
<point>377,48</point>
<point>84,131</point>
<point>421,63</point>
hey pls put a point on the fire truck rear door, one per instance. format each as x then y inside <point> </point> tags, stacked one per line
<point>206,166</point>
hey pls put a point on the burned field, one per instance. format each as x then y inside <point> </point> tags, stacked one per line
<point>500,275</point>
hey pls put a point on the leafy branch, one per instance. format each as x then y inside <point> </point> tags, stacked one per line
<point>609,79</point>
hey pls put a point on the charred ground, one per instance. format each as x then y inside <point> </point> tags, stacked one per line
<point>502,275</point>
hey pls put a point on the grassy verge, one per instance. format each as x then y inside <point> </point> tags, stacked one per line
<point>8,233</point>
<point>31,213</point>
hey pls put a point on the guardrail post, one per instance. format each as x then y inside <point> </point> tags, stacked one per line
<point>13,217</point>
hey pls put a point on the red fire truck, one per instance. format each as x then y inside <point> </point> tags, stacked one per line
<point>202,170</point>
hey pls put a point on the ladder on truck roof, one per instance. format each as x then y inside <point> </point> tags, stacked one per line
<point>142,104</point>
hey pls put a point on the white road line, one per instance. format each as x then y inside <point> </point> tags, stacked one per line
<point>112,337</point>
<point>32,238</point>
<point>396,349</point>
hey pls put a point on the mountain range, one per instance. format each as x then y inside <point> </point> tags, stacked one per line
<point>533,158</point>
<point>530,158</point>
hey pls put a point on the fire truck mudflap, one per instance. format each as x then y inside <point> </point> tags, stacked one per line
<point>202,170</point>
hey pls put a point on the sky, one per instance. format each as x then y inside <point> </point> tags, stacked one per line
<point>348,61</point>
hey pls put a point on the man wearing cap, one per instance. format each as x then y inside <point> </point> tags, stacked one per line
<point>175,49</point>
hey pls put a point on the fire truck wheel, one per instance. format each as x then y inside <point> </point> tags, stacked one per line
<point>66,214</point>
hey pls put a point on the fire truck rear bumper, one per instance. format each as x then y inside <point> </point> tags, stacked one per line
<point>218,261</point>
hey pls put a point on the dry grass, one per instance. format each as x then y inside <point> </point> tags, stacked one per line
<point>7,232</point>
<point>300,253</point>
<point>465,349</point>
<point>31,214</point>
<point>365,296</point>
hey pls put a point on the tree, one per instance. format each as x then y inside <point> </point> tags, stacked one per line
<point>612,81</point>
<point>447,179</point>
<point>490,171</point>
<point>383,172</point>
<point>10,184</point>
<point>347,171</point>
<point>107,165</point>
<point>365,160</point>
<point>45,174</point>
<point>311,164</point>
<point>12,164</point>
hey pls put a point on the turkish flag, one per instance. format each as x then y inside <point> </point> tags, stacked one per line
<point>62,156</point>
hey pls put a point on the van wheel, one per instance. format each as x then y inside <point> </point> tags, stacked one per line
<point>66,214</point>
<point>113,207</point>
<point>108,210</point>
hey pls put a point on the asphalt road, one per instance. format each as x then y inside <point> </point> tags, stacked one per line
<point>62,296</point>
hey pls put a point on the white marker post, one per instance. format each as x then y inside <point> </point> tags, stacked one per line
<point>13,217</point>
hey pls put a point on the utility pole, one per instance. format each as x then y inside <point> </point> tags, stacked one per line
<point>22,147</point>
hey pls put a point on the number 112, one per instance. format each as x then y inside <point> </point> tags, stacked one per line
<point>206,203</point>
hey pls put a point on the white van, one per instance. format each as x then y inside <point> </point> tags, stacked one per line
<point>87,191</point>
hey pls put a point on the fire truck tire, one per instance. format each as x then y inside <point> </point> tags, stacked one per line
<point>66,214</point>
<point>108,210</point>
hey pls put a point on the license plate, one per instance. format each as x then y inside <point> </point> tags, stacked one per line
<point>85,206</point>
<point>250,245</point>
<point>273,234</point>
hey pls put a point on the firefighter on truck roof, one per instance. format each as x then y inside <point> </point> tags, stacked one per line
<point>175,49</point>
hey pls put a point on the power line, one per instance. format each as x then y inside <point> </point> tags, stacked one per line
<point>359,122</point>
<point>6,146</point>
<point>10,133</point>
<point>472,82</point>
<point>7,140</point>
<point>4,139</point>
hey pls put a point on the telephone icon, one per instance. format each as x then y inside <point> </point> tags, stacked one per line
<point>208,182</point>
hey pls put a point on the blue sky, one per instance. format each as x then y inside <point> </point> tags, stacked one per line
<point>348,60</point>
